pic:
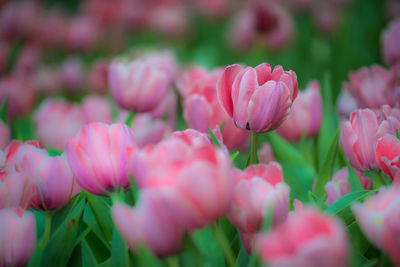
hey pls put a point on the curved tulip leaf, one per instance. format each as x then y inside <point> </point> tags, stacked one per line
<point>101,211</point>
<point>354,181</point>
<point>4,109</point>
<point>119,250</point>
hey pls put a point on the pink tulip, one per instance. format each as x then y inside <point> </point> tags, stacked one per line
<point>82,34</point>
<point>4,135</point>
<point>376,216</point>
<point>47,81</point>
<point>72,74</point>
<point>391,235</point>
<point>340,185</point>
<point>15,191</point>
<point>305,116</point>
<point>307,238</point>
<point>97,156</point>
<point>20,95</point>
<point>265,154</point>
<point>171,21</point>
<point>388,156</point>
<point>372,87</point>
<point>53,28</point>
<point>141,84</point>
<point>153,225</point>
<point>192,175</point>
<point>27,61</point>
<point>346,104</point>
<point>96,109</point>
<point>257,99</point>
<point>51,177</point>
<point>17,237</point>
<point>390,41</point>
<point>97,77</point>
<point>257,189</point>
<point>56,122</point>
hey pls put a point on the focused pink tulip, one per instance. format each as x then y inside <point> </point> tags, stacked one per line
<point>15,191</point>
<point>265,154</point>
<point>96,108</point>
<point>307,238</point>
<point>372,87</point>
<point>51,177</point>
<point>4,135</point>
<point>257,189</point>
<point>305,116</point>
<point>192,175</point>
<point>257,99</point>
<point>142,84</point>
<point>56,122</point>
<point>97,156</point>
<point>388,156</point>
<point>20,93</point>
<point>153,225</point>
<point>340,185</point>
<point>390,41</point>
<point>376,217</point>
<point>17,237</point>
<point>202,110</point>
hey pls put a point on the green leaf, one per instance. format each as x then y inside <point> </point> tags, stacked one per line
<point>4,109</point>
<point>119,250</point>
<point>398,134</point>
<point>346,200</point>
<point>326,171</point>
<point>234,156</point>
<point>224,245</point>
<point>101,211</point>
<point>354,181</point>
<point>130,118</point>
<point>267,224</point>
<point>146,258</point>
<point>214,138</point>
<point>208,247</point>
<point>54,153</point>
<point>88,258</point>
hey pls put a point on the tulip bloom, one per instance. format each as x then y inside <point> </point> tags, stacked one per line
<point>96,109</point>
<point>257,99</point>
<point>148,223</point>
<point>305,116</point>
<point>17,237</point>
<point>56,122</point>
<point>142,84</point>
<point>340,185</point>
<point>192,175</point>
<point>4,135</point>
<point>390,41</point>
<point>388,156</point>
<point>376,216</point>
<point>97,156</point>
<point>51,177</point>
<point>15,191</point>
<point>307,238</point>
<point>257,189</point>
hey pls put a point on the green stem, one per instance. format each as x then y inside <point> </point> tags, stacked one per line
<point>254,148</point>
<point>115,198</point>
<point>47,230</point>
<point>129,119</point>
<point>224,245</point>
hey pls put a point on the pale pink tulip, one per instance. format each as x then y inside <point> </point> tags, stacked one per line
<point>257,99</point>
<point>15,191</point>
<point>56,122</point>
<point>97,156</point>
<point>153,225</point>
<point>17,237</point>
<point>96,108</point>
<point>305,116</point>
<point>257,189</point>
<point>390,43</point>
<point>265,154</point>
<point>51,177</point>
<point>388,156</point>
<point>307,238</point>
<point>192,175</point>
<point>340,185</point>
<point>4,135</point>
<point>142,84</point>
<point>376,216</point>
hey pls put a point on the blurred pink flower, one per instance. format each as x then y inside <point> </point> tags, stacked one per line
<point>305,116</point>
<point>96,108</point>
<point>170,20</point>
<point>82,34</point>
<point>72,74</point>
<point>5,49</point>
<point>4,135</point>
<point>307,238</point>
<point>53,29</point>
<point>15,191</point>
<point>27,61</point>
<point>97,156</point>
<point>47,80</point>
<point>17,237</point>
<point>257,189</point>
<point>153,225</point>
<point>257,99</point>
<point>346,104</point>
<point>56,122</point>
<point>97,77</point>
<point>390,43</point>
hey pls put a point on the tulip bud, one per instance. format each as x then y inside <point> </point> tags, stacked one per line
<point>387,156</point>
<point>257,99</point>
<point>378,218</point>
<point>4,135</point>
<point>390,43</point>
<point>257,189</point>
<point>56,122</point>
<point>141,84</point>
<point>17,237</point>
<point>51,177</point>
<point>153,225</point>
<point>96,109</point>
<point>97,156</point>
<point>307,238</point>
<point>305,116</point>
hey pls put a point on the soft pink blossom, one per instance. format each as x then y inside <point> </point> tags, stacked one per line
<point>15,191</point>
<point>390,43</point>
<point>96,108</point>
<point>4,135</point>
<point>265,154</point>
<point>388,156</point>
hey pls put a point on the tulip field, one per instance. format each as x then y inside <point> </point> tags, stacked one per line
<point>200,133</point>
